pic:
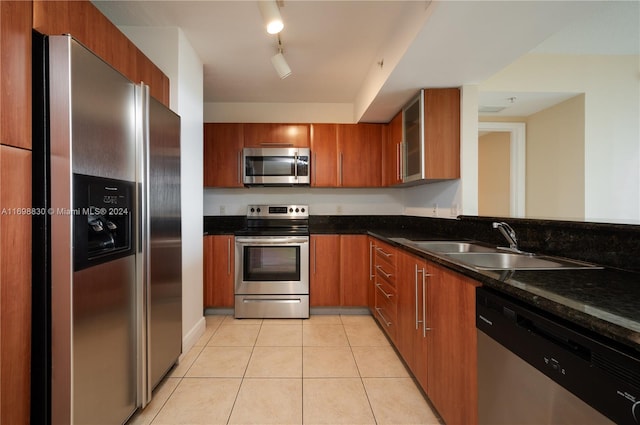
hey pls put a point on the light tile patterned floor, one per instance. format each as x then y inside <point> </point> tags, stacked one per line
<point>324,370</point>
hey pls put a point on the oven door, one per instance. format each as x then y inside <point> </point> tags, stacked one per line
<point>274,265</point>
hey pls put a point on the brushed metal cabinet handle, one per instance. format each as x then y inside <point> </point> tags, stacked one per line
<point>381,270</point>
<point>387,296</point>
<point>383,252</point>
<point>384,319</point>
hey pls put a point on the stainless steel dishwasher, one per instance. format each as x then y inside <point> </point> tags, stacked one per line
<point>537,369</point>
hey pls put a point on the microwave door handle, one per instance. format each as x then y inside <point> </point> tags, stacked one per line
<point>295,165</point>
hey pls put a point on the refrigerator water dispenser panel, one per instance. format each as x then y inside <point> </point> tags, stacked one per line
<point>103,218</point>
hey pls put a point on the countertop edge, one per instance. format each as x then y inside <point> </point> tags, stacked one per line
<point>610,330</point>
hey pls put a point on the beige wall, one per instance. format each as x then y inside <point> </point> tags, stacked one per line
<point>556,161</point>
<point>612,129</point>
<point>494,174</point>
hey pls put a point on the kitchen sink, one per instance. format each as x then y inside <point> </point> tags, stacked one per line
<point>445,246</point>
<point>512,261</point>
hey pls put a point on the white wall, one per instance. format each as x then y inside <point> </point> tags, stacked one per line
<point>612,128</point>
<point>169,49</point>
<point>279,112</point>
<point>321,201</point>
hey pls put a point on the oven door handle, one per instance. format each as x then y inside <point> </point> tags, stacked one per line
<point>271,241</point>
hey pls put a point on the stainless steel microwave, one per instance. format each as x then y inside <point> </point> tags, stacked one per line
<point>276,166</point>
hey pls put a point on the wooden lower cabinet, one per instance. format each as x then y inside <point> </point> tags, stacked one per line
<point>354,270</point>
<point>436,334</point>
<point>413,305</point>
<point>385,280</point>
<point>339,270</point>
<point>219,268</point>
<point>324,276</point>
<point>452,361</point>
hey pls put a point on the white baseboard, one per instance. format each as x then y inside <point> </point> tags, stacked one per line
<point>191,337</point>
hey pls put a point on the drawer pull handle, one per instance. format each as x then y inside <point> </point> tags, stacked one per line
<point>387,296</point>
<point>387,275</point>
<point>382,251</point>
<point>386,322</point>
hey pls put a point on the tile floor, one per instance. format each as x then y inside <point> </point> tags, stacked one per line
<point>324,370</point>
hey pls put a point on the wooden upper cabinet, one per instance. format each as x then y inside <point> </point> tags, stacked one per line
<point>15,84</point>
<point>324,155</point>
<point>392,152</point>
<point>264,135</point>
<point>360,155</point>
<point>442,133</point>
<point>90,27</point>
<point>222,154</point>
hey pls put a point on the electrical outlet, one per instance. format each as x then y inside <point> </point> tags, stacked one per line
<point>223,210</point>
<point>339,209</point>
<point>435,210</point>
<point>454,210</point>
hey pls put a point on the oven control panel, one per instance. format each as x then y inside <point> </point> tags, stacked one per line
<point>278,211</point>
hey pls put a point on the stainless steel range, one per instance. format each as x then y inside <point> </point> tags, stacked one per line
<point>272,267</point>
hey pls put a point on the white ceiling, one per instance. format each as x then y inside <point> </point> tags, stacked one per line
<point>334,47</point>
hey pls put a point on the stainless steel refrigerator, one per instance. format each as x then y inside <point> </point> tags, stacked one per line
<point>107,290</point>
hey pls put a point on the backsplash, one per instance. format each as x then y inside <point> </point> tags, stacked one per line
<point>613,245</point>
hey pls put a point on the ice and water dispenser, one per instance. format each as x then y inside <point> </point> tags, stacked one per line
<point>103,222</point>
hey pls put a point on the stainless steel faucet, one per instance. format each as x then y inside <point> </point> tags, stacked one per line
<point>509,234</point>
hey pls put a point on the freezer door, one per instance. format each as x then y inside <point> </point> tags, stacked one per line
<point>162,247</point>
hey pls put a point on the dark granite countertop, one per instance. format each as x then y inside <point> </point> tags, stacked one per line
<point>604,301</point>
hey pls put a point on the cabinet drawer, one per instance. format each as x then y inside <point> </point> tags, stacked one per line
<point>383,273</point>
<point>385,308</point>
<point>385,256</point>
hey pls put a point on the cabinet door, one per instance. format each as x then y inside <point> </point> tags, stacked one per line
<point>412,334</point>
<point>15,84</point>
<point>324,155</point>
<point>219,271</point>
<point>442,133</point>
<point>360,155</point>
<point>261,135</point>
<point>371,291</point>
<point>392,152</point>
<point>452,356</point>
<point>324,273</point>
<point>88,25</point>
<point>354,270</point>
<point>15,284</point>
<point>222,155</point>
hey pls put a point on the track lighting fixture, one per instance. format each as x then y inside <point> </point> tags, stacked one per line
<point>271,15</point>
<point>279,62</point>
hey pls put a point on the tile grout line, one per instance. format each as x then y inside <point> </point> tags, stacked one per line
<point>181,378</point>
<point>253,347</point>
<point>373,414</point>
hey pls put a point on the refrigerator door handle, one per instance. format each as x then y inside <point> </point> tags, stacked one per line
<point>143,265</point>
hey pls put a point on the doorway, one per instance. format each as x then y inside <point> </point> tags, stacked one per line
<point>492,189</point>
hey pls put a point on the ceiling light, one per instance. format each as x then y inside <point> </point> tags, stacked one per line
<point>281,65</point>
<point>271,15</point>
<point>279,62</point>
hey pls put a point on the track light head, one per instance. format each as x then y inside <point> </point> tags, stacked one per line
<point>281,65</point>
<point>271,15</point>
